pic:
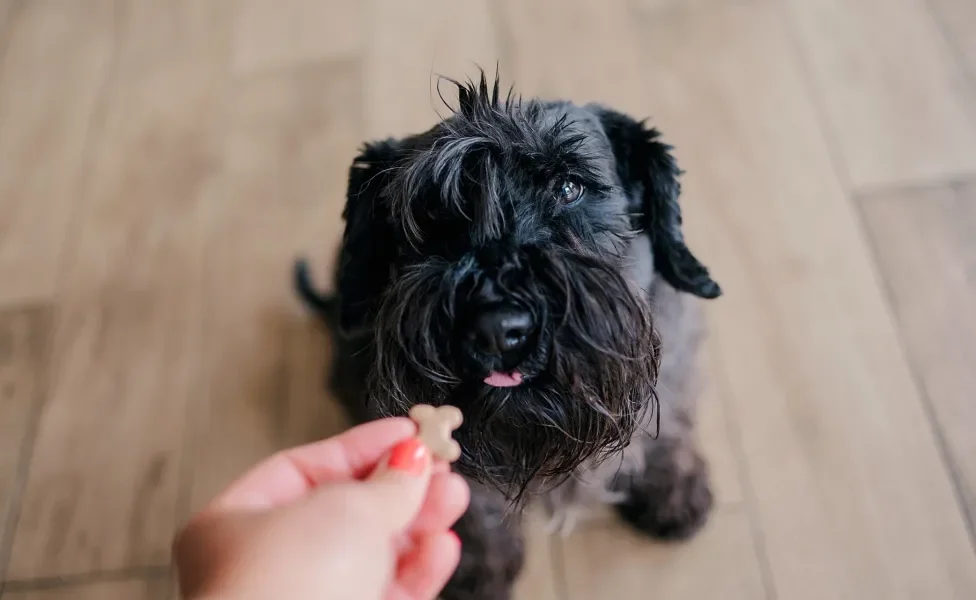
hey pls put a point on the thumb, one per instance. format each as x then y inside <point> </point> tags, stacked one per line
<point>398,486</point>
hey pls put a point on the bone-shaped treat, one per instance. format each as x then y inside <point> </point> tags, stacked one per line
<point>435,426</point>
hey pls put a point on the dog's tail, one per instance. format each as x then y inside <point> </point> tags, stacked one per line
<point>321,304</point>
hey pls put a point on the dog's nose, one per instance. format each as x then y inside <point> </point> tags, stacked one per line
<point>498,331</point>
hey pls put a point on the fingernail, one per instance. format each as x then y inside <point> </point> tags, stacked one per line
<point>410,457</point>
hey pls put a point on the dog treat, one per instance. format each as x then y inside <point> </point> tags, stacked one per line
<point>435,425</point>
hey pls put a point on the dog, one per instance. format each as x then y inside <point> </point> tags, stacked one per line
<point>524,261</point>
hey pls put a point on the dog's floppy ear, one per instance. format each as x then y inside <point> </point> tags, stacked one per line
<point>368,244</point>
<point>647,168</point>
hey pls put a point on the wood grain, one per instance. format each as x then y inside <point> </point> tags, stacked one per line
<point>550,62</point>
<point>161,163</point>
<point>44,137</point>
<point>103,487</point>
<point>847,482</point>
<point>285,32</point>
<point>958,18</point>
<point>612,561</point>
<point>661,5</point>
<point>24,338</point>
<point>287,146</point>
<point>897,103</point>
<point>540,579</point>
<point>155,34</point>
<point>408,45</point>
<point>8,10</point>
<point>926,249</point>
<point>113,590</point>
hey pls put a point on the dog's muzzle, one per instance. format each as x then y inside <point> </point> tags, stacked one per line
<point>500,335</point>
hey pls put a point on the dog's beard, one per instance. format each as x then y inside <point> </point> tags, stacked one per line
<point>588,388</point>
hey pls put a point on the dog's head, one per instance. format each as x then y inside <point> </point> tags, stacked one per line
<point>489,260</point>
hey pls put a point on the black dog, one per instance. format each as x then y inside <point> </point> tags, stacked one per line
<point>524,260</point>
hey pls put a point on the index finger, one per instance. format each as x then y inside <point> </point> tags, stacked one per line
<point>291,474</point>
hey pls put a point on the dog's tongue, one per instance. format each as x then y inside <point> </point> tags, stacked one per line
<point>496,379</point>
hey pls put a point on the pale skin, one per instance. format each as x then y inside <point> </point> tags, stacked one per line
<point>365,515</point>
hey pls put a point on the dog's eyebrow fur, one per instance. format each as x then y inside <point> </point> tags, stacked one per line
<point>483,136</point>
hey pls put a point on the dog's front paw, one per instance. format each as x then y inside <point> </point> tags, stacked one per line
<point>671,499</point>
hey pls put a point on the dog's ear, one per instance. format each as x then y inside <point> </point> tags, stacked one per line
<point>368,244</point>
<point>649,171</point>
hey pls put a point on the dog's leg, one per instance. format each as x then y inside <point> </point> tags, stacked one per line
<point>491,549</point>
<point>669,497</point>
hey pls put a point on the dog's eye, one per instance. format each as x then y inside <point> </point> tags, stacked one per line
<point>569,191</point>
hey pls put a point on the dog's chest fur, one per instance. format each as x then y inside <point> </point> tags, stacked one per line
<point>680,321</point>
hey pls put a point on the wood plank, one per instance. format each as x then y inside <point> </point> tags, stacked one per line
<point>44,137</point>
<point>958,18</point>
<point>550,61</point>
<point>927,253</point>
<point>659,5</point>
<point>8,10</point>
<point>155,34</point>
<point>103,485</point>
<point>613,561</point>
<point>407,45</point>
<point>287,145</point>
<point>113,590</point>
<point>897,103</point>
<point>539,579</point>
<point>285,32</point>
<point>848,485</point>
<point>24,337</point>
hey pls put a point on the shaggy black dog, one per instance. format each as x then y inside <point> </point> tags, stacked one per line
<point>524,261</point>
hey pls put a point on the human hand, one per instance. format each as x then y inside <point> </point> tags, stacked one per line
<point>365,515</point>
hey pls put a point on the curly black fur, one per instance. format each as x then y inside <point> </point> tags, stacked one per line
<point>597,347</point>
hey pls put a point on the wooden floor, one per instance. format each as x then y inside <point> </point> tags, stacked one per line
<point>162,162</point>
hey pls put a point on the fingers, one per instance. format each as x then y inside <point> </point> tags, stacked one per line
<point>397,489</point>
<point>353,453</point>
<point>291,474</point>
<point>447,499</point>
<point>411,496</point>
<point>424,572</point>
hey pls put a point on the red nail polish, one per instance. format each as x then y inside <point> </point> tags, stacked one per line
<point>409,456</point>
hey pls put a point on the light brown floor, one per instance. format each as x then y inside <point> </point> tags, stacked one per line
<point>162,162</point>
